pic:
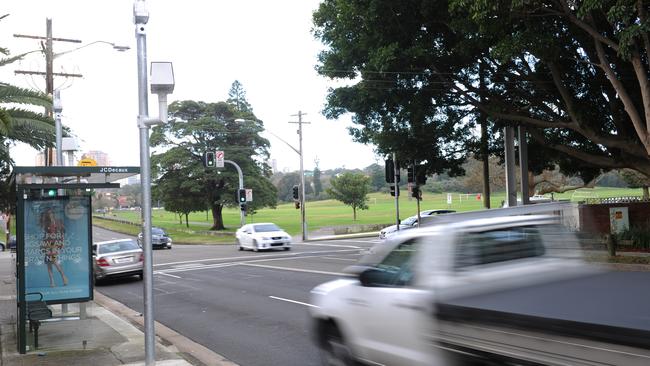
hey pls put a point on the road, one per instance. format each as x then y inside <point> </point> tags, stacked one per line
<point>249,307</point>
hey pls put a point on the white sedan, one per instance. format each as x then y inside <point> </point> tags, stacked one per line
<point>262,236</point>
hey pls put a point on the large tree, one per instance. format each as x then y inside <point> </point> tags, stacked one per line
<point>574,72</point>
<point>351,189</point>
<point>197,127</point>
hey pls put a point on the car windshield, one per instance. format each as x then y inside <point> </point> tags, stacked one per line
<point>156,231</point>
<point>263,228</point>
<point>119,246</point>
<point>410,221</point>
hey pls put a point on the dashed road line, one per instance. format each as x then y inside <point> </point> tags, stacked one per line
<point>293,301</point>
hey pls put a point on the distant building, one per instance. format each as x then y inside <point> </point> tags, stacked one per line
<point>100,157</point>
<point>133,180</point>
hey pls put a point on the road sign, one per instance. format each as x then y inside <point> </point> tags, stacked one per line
<point>249,195</point>
<point>87,162</point>
<point>220,158</point>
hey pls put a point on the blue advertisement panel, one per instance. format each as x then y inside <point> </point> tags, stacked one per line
<point>57,248</point>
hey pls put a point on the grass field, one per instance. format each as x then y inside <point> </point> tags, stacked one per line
<point>333,213</point>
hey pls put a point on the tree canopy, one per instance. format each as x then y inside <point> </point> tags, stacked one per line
<point>184,184</point>
<point>574,72</point>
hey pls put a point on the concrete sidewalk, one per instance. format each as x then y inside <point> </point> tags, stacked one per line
<point>109,334</point>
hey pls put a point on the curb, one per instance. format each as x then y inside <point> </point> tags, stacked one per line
<point>184,345</point>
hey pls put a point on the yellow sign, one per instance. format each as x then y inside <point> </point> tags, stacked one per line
<point>87,162</point>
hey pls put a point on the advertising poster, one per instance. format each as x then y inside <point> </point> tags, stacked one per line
<point>57,248</point>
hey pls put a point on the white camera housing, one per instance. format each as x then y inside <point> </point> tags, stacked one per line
<point>162,78</point>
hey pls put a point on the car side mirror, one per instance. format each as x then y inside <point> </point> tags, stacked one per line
<point>371,277</point>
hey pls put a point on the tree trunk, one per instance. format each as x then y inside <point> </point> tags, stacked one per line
<point>180,218</point>
<point>646,193</point>
<point>187,224</point>
<point>217,218</point>
<point>485,155</point>
<point>354,213</point>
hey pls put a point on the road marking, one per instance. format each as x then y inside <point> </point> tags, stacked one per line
<point>296,269</point>
<point>259,256</point>
<point>337,245</point>
<point>167,274</point>
<point>342,259</point>
<point>293,301</point>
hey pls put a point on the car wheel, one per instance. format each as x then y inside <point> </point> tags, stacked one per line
<point>333,350</point>
<point>287,248</point>
<point>238,244</point>
<point>2,247</point>
<point>141,276</point>
<point>255,248</point>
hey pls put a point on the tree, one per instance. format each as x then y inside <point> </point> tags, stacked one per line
<point>377,174</point>
<point>575,73</point>
<point>20,124</point>
<point>197,127</point>
<point>635,179</point>
<point>351,189</point>
<point>285,186</point>
<point>318,185</point>
<point>237,97</point>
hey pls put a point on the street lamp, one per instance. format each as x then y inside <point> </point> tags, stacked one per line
<point>298,151</point>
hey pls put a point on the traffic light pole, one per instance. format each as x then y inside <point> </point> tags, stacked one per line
<point>396,174</point>
<point>242,214</point>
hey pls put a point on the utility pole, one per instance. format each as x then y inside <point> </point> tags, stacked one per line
<point>49,73</point>
<point>485,155</point>
<point>302,175</point>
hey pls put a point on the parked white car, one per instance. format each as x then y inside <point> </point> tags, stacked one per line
<point>409,223</point>
<point>262,236</point>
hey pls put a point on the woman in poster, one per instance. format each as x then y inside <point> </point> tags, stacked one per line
<point>53,234</point>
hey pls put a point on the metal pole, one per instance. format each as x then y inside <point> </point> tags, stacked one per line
<point>523,165</point>
<point>242,216</point>
<point>511,183</point>
<point>49,77</point>
<point>302,180</point>
<point>141,18</point>
<point>59,130</point>
<point>395,175</point>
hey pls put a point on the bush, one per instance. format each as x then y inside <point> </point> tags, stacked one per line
<point>639,236</point>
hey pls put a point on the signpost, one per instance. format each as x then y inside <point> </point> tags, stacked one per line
<point>249,195</point>
<point>220,156</point>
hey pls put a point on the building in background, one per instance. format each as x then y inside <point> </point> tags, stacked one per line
<point>100,157</point>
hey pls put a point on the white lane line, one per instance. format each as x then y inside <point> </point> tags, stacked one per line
<point>336,245</point>
<point>296,269</point>
<point>189,265</point>
<point>258,256</point>
<point>341,259</point>
<point>167,274</point>
<point>293,301</point>
<point>174,270</point>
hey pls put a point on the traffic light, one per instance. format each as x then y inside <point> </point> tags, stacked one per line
<point>416,192</point>
<point>393,189</point>
<point>390,171</point>
<point>51,192</point>
<point>241,195</point>
<point>209,160</point>
<point>295,193</point>
<point>297,203</point>
<point>242,206</point>
<point>410,172</point>
<point>421,177</point>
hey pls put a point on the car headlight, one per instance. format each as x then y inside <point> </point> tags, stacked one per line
<point>266,238</point>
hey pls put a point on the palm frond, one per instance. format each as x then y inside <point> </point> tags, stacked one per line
<point>14,94</point>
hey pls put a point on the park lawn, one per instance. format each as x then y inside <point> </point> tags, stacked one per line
<point>327,213</point>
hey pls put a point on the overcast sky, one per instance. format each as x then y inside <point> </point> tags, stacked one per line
<point>266,45</point>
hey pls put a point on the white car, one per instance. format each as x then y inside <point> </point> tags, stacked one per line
<point>409,223</point>
<point>262,236</point>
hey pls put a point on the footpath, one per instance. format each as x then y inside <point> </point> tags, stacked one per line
<point>109,334</point>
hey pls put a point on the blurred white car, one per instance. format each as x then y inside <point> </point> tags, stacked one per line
<point>409,223</point>
<point>262,236</point>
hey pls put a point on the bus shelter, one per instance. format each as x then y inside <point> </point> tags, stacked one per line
<point>54,242</point>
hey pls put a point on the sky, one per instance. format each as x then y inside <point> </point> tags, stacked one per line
<point>266,45</point>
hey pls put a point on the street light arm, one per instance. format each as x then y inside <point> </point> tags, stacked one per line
<point>281,139</point>
<point>115,47</point>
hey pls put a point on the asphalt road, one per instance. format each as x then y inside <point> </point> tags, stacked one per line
<point>250,307</point>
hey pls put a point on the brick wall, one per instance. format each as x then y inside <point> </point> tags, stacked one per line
<point>594,218</point>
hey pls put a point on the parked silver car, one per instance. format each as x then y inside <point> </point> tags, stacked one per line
<point>117,258</point>
<point>410,222</point>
